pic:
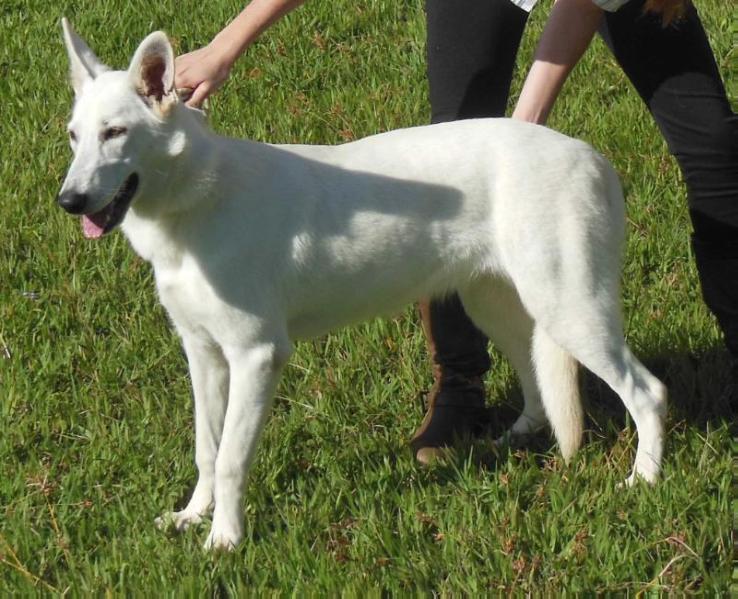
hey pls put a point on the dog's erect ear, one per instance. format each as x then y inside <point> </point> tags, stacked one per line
<point>152,72</point>
<point>83,64</point>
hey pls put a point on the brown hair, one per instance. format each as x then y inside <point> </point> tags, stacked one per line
<point>670,10</point>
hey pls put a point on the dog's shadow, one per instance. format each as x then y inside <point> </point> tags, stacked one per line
<point>333,217</point>
<point>701,390</point>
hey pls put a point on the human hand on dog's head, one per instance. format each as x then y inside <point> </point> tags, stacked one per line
<point>201,73</point>
<point>205,70</point>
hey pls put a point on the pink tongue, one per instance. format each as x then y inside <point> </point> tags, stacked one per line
<point>90,228</point>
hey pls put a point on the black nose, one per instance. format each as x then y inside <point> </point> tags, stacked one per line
<point>72,202</point>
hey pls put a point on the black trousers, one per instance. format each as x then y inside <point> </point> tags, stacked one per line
<point>471,52</point>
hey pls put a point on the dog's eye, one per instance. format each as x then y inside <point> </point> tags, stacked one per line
<point>112,132</point>
<point>72,136</point>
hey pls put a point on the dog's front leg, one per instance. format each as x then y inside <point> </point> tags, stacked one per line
<point>254,372</point>
<point>209,374</point>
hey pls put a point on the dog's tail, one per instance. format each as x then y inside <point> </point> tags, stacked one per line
<point>557,373</point>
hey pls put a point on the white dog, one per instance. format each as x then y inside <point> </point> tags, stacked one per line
<point>255,246</point>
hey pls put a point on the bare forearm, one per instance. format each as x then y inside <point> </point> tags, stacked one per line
<point>203,71</point>
<point>258,15</point>
<point>567,34</point>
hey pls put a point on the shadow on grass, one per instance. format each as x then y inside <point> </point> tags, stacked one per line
<point>702,394</point>
<point>701,389</point>
<point>699,398</point>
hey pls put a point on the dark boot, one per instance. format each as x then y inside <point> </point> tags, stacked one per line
<point>455,404</point>
<point>717,265</point>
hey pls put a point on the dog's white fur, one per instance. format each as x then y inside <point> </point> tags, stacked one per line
<point>255,246</point>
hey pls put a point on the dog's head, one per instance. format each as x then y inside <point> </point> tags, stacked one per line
<point>119,123</point>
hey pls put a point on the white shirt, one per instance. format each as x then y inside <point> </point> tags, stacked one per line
<point>609,5</point>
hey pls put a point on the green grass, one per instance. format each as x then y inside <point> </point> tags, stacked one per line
<point>97,435</point>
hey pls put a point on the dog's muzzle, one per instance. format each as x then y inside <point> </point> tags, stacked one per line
<point>96,224</point>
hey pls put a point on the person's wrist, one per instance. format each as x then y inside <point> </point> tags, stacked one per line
<point>226,49</point>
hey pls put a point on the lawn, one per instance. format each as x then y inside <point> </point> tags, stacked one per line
<point>97,436</point>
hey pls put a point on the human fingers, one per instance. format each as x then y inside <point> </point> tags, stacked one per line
<point>200,94</point>
<point>184,73</point>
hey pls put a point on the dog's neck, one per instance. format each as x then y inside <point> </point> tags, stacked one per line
<point>179,182</point>
<point>183,174</point>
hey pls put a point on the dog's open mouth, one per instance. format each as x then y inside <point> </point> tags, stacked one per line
<point>98,224</point>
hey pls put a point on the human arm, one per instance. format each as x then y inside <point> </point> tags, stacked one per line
<point>205,70</point>
<point>566,35</point>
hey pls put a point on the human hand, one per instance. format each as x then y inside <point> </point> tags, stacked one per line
<point>203,71</point>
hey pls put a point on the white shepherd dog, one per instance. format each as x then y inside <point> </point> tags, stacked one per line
<point>255,246</point>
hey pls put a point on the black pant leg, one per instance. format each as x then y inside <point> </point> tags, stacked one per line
<point>674,71</point>
<point>471,50</point>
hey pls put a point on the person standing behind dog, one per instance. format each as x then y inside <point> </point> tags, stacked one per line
<point>471,52</point>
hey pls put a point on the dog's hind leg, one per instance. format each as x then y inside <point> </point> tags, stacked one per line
<point>590,329</point>
<point>495,307</point>
<point>209,373</point>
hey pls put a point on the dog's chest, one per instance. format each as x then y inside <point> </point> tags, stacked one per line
<point>187,296</point>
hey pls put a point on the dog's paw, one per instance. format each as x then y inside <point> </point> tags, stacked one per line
<point>513,440</point>
<point>649,478</point>
<point>528,425</point>
<point>627,483</point>
<point>522,432</point>
<point>221,541</point>
<point>177,521</point>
